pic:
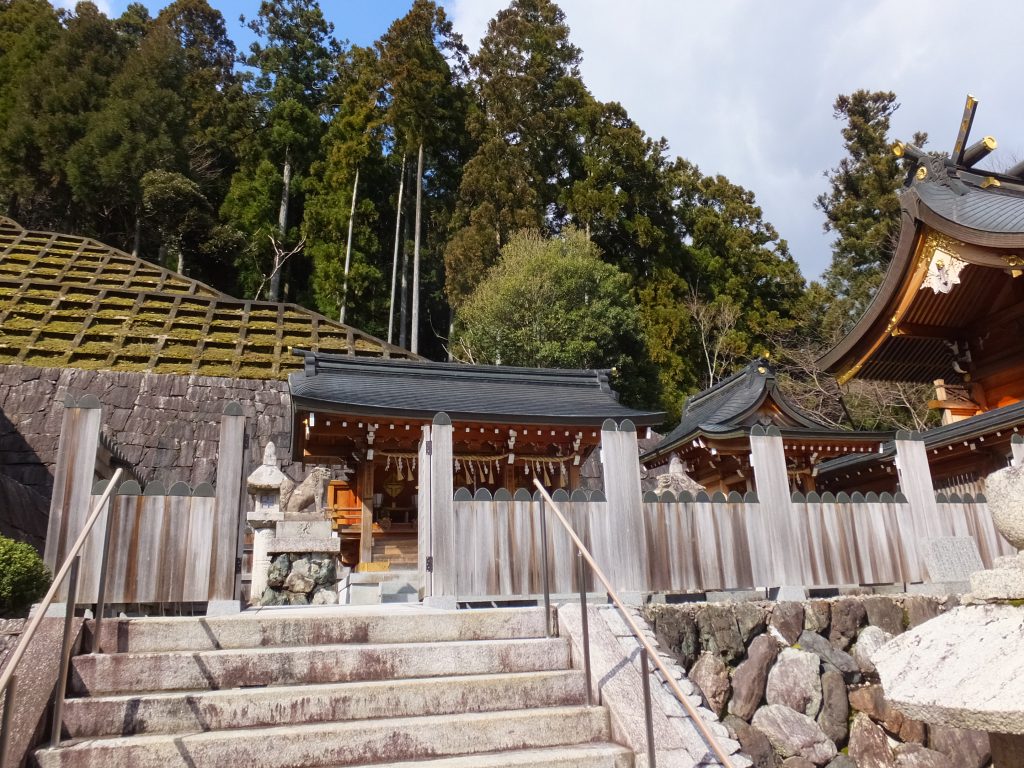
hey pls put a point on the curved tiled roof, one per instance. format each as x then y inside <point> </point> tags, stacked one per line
<point>466,392</point>
<point>69,301</point>
<point>993,209</point>
<point>727,407</point>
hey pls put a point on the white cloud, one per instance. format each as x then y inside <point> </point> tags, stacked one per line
<point>745,88</point>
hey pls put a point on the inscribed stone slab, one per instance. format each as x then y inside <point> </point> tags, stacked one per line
<point>951,558</point>
<point>317,529</point>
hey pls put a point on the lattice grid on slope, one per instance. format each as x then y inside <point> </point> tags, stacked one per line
<point>73,302</point>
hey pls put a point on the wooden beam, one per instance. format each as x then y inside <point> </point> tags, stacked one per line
<point>366,522</point>
<point>922,331</point>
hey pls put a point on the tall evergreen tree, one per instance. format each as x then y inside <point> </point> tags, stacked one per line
<point>55,101</point>
<point>28,28</point>
<point>526,119</point>
<point>141,127</point>
<point>423,63</point>
<point>294,59</point>
<point>861,205</point>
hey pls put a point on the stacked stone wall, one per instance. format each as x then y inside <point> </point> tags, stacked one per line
<point>795,685</point>
<point>165,427</point>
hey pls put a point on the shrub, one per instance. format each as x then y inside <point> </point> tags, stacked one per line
<point>24,577</point>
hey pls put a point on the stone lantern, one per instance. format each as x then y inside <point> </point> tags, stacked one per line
<point>264,485</point>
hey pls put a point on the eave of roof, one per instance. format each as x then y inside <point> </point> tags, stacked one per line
<point>420,390</point>
<point>949,201</point>
<point>984,424</point>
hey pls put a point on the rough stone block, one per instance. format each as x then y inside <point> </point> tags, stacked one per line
<point>794,682</point>
<point>751,676</point>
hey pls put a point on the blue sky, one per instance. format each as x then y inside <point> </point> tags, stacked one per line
<point>745,87</point>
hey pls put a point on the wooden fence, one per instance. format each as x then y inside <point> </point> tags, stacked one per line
<point>702,544</point>
<point>167,545</point>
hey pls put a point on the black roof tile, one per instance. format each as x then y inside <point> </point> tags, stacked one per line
<point>467,392</point>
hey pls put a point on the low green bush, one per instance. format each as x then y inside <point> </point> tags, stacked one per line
<point>24,577</point>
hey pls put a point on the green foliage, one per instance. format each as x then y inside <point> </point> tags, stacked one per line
<point>861,206</point>
<point>551,302</point>
<point>24,577</point>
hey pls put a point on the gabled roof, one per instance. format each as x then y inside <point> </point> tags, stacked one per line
<point>398,388</point>
<point>905,334</point>
<point>734,404</point>
<point>69,301</point>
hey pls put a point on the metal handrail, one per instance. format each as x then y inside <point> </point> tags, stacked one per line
<point>70,565</point>
<point>647,651</point>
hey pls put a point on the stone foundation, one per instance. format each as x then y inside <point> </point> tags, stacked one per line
<point>302,579</point>
<point>795,685</point>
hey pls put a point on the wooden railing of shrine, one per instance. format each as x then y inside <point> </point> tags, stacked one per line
<point>702,544</point>
<point>164,545</point>
<point>487,548</point>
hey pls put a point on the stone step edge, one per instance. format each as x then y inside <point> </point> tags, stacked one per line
<point>394,723</point>
<point>119,674</point>
<point>270,650</point>
<point>284,628</point>
<point>538,758</point>
<point>298,689</point>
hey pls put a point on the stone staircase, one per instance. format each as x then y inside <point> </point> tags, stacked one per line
<point>401,686</point>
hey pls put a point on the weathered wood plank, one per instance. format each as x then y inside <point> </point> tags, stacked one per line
<point>225,542</point>
<point>201,524</point>
<point>622,543</point>
<point>72,480</point>
<point>424,478</point>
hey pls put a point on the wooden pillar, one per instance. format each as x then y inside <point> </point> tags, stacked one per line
<point>366,519</point>
<point>915,478</point>
<point>785,561</point>
<point>442,510</point>
<point>73,480</point>
<point>228,521</point>
<point>423,480</point>
<point>620,460</point>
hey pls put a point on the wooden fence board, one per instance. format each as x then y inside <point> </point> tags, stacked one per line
<point>196,586</point>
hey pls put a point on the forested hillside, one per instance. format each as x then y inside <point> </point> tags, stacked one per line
<point>408,187</point>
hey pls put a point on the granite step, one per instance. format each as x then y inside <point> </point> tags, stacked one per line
<point>273,706</point>
<point>578,756</point>
<point>123,673</point>
<point>351,743</point>
<point>318,626</point>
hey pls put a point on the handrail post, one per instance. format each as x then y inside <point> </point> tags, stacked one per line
<point>5,723</point>
<point>101,592</point>
<point>65,654</point>
<point>544,567</point>
<point>645,673</point>
<point>584,554</point>
<point>586,628</point>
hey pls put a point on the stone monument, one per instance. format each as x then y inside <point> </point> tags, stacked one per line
<point>964,669</point>
<point>295,554</point>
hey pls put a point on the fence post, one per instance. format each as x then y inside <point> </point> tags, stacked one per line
<point>227,512</point>
<point>788,565</point>
<point>72,478</point>
<point>915,478</point>
<point>624,554</point>
<point>440,499</point>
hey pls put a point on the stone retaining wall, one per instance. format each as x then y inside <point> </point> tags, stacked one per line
<point>166,427</point>
<point>794,683</point>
